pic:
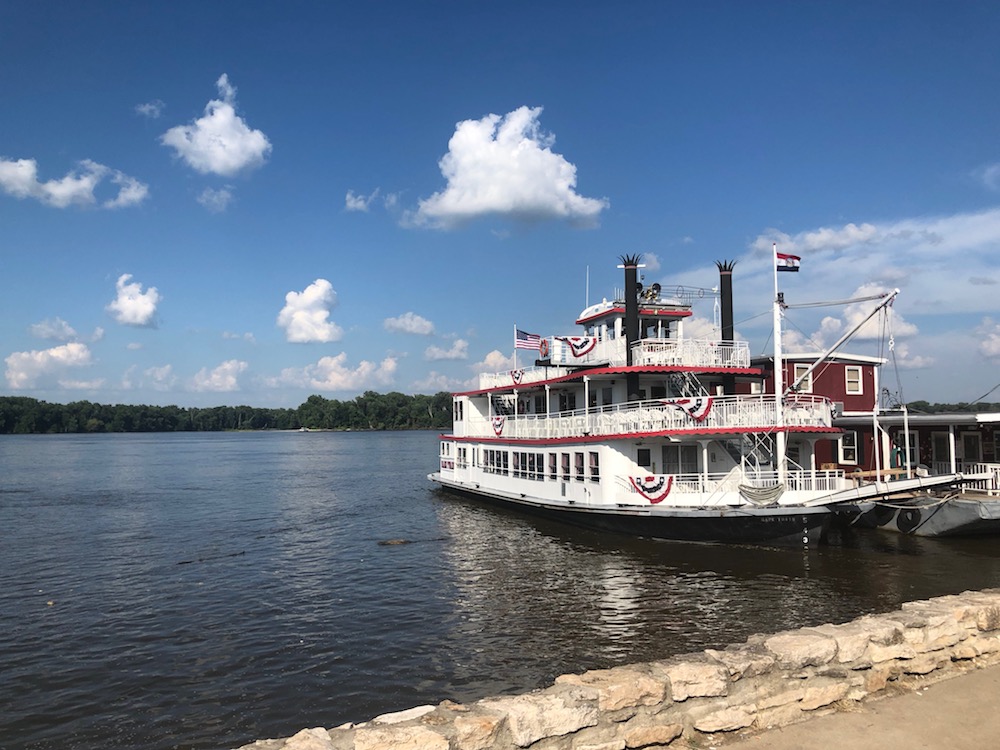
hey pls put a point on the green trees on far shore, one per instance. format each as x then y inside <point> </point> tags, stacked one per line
<point>370,411</point>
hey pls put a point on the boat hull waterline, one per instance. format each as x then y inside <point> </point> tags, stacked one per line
<point>779,526</point>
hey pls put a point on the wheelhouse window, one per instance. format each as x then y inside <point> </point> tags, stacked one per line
<point>578,461</point>
<point>806,386</point>
<point>553,466</point>
<point>852,381</point>
<point>565,467</point>
<point>595,467</point>
<point>849,451</point>
<point>459,410</point>
<point>644,457</point>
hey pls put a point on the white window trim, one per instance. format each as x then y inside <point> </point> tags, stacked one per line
<point>798,369</point>
<point>847,381</point>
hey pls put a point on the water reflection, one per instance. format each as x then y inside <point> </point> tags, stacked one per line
<point>586,599</point>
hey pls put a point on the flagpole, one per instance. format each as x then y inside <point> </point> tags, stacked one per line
<point>779,373</point>
<point>515,346</point>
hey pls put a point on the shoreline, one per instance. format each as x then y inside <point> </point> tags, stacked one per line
<point>712,697</point>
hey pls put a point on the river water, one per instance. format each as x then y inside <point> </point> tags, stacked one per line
<point>206,590</point>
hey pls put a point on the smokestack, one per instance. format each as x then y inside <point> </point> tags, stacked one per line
<point>631,266</point>
<point>726,297</point>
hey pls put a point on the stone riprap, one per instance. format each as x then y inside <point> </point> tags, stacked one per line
<point>704,698</point>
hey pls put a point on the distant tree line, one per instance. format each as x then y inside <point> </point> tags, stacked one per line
<point>370,411</point>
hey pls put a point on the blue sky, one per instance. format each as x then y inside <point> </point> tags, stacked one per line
<point>249,203</point>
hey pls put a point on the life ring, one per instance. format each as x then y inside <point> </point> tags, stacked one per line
<point>543,349</point>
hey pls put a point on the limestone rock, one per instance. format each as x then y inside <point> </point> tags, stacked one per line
<point>802,648</point>
<point>726,720</point>
<point>743,661</point>
<point>476,731</point>
<point>690,678</point>
<point>852,639</point>
<point>310,739</point>
<point>398,717</point>
<point>643,736</point>
<point>551,713</point>
<point>817,697</point>
<point>618,688</point>
<point>389,737</point>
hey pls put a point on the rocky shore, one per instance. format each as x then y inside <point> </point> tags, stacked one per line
<point>701,699</point>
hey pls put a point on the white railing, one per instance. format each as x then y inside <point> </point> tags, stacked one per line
<point>566,352</point>
<point>989,485</point>
<point>722,488</point>
<point>696,415</point>
<point>694,352</point>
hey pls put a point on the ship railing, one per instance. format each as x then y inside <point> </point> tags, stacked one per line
<point>698,414</point>
<point>567,352</point>
<point>987,475</point>
<point>517,377</point>
<point>691,352</point>
<point>720,488</point>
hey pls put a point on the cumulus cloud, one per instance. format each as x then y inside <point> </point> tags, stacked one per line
<point>409,322</point>
<point>990,176</point>
<point>56,329</point>
<point>355,202</point>
<point>304,316</point>
<point>333,374</point>
<point>458,350</point>
<point>220,142</point>
<point>505,166</point>
<point>222,379</point>
<point>216,201</point>
<point>247,337</point>
<point>34,368</point>
<point>132,306</point>
<point>20,179</point>
<point>989,343</point>
<point>152,109</point>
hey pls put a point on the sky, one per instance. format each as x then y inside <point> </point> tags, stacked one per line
<point>254,202</point>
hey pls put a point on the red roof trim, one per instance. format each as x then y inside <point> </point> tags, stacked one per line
<point>652,312</point>
<point>580,374</point>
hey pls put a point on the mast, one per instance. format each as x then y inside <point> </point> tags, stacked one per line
<point>779,374</point>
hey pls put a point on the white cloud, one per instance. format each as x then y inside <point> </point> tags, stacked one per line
<point>20,179</point>
<point>132,306</point>
<point>505,166</point>
<point>304,316</point>
<point>56,329</point>
<point>247,337</point>
<point>989,333</point>
<point>459,350</point>
<point>222,379</point>
<point>160,378</point>
<point>29,369</point>
<point>333,374</point>
<point>989,175</point>
<point>495,361</point>
<point>652,262</point>
<point>409,322</point>
<point>220,142</point>
<point>152,109</point>
<point>355,202</point>
<point>436,382</point>
<point>216,201</point>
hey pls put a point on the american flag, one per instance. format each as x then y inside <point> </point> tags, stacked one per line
<point>524,340</point>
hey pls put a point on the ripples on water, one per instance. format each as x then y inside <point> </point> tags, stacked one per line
<point>203,591</point>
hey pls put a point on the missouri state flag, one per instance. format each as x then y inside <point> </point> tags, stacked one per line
<point>787,262</point>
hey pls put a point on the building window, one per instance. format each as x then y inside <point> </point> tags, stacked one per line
<point>849,453</point>
<point>644,457</point>
<point>853,384</point>
<point>806,386</point>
